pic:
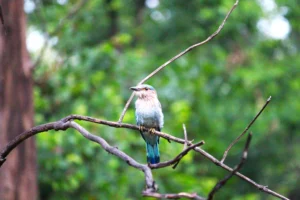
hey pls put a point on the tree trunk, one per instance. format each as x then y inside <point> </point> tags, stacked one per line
<point>18,173</point>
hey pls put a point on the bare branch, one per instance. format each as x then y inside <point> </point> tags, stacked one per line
<point>178,56</point>
<point>185,136</point>
<point>59,125</point>
<point>125,108</point>
<point>63,125</point>
<point>123,125</point>
<point>246,129</point>
<point>243,177</point>
<point>173,196</point>
<point>177,159</point>
<point>150,185</point>
<point>222,182</point>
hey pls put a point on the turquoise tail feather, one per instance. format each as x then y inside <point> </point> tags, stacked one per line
<point>152,153</point>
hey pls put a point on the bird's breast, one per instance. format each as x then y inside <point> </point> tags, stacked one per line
<point>147,114</point>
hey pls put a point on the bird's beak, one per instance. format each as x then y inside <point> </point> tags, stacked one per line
<point>134,88</point>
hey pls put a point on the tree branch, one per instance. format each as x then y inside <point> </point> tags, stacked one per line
<point>177,159</point>
<point>185,136</point>
<point>246,129</point>
<point>124,125</point>
<point>178,56</point>
<point>243,177</point>
<point>222,182</point>
<point>173,196</point>
<point>63,125</point>
<point>150,184</point>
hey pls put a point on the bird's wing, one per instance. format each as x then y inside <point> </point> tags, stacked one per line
<point>159,104</point>
<point>159,117</point>
<point>138,122</point>
<point>158,129</point>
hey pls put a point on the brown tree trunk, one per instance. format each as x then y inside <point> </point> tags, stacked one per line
<point>18,173</point>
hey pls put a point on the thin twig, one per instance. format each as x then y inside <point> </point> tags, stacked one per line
<point>125,108</point>
<point>173,196</point>
<point>177,159</point>
<point>178,56</point>
<point>222,182</point>
<point>243,177</point>
<point>185,136</point>
<point>246,129</point>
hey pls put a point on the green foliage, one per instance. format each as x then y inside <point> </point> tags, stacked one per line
<point>215,90</point>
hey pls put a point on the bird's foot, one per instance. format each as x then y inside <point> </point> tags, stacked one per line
<point>141,128</point>
<point>152,130</point>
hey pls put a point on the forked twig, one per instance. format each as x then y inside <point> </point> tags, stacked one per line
<point>222,182</point>
<point>246,129</point>
<point>178,56</point>
<point>150,184</point>
<point>177,159</point>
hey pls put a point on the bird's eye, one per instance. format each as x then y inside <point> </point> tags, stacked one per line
<point>146,89</point>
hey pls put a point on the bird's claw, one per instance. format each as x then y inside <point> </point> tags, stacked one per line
<point>152,130</point>
<point>141,128</point>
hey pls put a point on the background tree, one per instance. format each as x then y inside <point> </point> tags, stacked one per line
<point>18,176</point>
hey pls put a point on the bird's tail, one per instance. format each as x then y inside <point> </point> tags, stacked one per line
<point>152,153</point>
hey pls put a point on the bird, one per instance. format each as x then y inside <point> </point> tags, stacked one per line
<point>148,113</point>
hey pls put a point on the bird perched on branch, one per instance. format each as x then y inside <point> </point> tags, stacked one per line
<point>148,114</point>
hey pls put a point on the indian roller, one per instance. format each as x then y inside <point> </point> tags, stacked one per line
<point>148,114</point>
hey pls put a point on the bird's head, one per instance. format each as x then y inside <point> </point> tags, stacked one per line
<point>144,91</point>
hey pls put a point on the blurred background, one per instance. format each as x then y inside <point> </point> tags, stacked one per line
<point>85,54</point>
